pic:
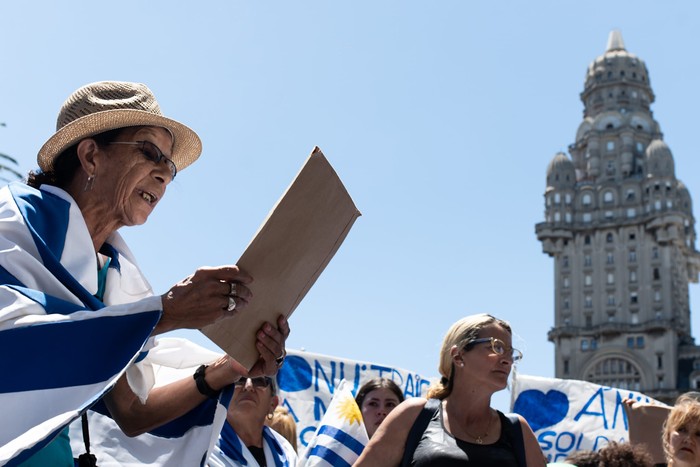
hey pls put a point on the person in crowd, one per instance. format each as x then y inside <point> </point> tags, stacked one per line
<point>681,433</point>
<point>283,423</point>
<point>612,454</point>
<point>376,398</point>
<point>78,316</point>
<point>456,425</point>
<point>245,439</point>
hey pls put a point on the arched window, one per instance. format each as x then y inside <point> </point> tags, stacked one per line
<point>617,372</point>
<point>586,199</point>
<point>608,197</point>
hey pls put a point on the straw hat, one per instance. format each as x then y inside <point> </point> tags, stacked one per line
<point>108,105</point>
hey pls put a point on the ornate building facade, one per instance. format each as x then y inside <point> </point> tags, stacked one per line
<point>620,228</point>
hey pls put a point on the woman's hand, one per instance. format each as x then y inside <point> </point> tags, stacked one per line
<point>270,343</point>
<point>211,293</point>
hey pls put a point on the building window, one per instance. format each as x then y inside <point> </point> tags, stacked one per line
<point>633,298</point>
<point>587,260</point>
<point>567,217</point>
<point>615,372</point>
<point>586,199</point>
<point>565,282</point>
<point>587,280</point>
<point>566,304</point>
<point>631,213</point>
<point>565,261</point>
<point>608,197</point>
<point>611,300</point>
<point>640,342</point>
<point>608,215</point>
<point>587,217</point>
<point>657,274</point>
<point>611,278</point>
<point>584,344</point>
<point>589,321</point>
<point>566,366</point>
<point>588,303</point>
<point>633,275</point>
<point>633,256</point>
<point>610,258</point>
<point>609,238</point>
<point>669,204</point>
<point>610,145</point>
<point>567,198</point>
<point>657,205</point>
<point>659,361</point>
<point>634,315</point>
<point>630,195</point>
<point>587,240</point>
<point>632,235</point>
<point>557,198</point>
<point>557,217</point>
<point>655,253</point>
<point>657,295</point>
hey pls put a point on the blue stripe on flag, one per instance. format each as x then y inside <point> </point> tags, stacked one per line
<point>329,456</point>
<point>96,348</point>
<point>343,438</point>
<point>47,218</point>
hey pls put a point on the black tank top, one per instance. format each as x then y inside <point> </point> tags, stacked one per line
<point>438,448</point>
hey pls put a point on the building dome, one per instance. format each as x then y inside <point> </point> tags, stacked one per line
<point>561,172</point>
<point>618,73</point>
<point>659,160</point>
<point>685,203</point>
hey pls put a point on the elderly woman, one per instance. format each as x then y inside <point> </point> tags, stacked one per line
<point>78,316</point>
<point>457,425</point>
<point>245,439</point>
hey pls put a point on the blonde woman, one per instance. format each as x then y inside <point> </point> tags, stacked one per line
<point>457,425</point>
<point>681,436</point>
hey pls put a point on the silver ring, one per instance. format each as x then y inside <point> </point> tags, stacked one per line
<point>233,289</point>
<point>231,304</point>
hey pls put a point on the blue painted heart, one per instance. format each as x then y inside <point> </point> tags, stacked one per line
<point>542,410</point>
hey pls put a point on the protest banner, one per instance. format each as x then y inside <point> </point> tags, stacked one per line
<point>307,382</point>
<point>571,415</point>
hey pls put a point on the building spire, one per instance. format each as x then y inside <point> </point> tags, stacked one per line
<point>615,41</point>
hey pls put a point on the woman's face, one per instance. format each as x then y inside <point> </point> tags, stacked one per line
<point>684,443</point>
<point>126,182</point>
<point>251,402</point>
<point>482,365</point>
<point>376,406</point>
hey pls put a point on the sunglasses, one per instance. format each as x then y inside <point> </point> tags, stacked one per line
<point>151,152</point>
<point>498,346</point>
<point>259,382</point>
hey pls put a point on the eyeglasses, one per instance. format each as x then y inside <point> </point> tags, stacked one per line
<point>259,382</point>
<point>151,152</point>
<point>498,346</point>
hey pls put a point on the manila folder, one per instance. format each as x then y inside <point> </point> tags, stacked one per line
<point>294,244</point>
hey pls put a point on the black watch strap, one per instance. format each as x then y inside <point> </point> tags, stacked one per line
<point>202,385</point>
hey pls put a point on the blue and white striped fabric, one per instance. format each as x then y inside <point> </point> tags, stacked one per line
<point>186,441</point>
<point>61,348</point>
<point>341,435</point>
<point>231,452</point>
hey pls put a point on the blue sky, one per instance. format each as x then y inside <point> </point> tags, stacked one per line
<point>439,117</point>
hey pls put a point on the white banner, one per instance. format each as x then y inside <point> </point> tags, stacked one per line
<point>570,415</point>
<point>307,382</point>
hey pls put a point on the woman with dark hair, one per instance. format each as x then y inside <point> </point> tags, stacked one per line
<point>456,425</point>
<point>376,399</point>
<point>77,316</point>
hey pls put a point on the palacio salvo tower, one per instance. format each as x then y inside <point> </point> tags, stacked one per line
<point>620,228</point>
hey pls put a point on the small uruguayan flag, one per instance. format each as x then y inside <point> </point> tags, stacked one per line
<point>341,435</point>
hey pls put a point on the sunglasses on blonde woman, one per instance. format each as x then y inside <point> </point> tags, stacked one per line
<point>498,346</point>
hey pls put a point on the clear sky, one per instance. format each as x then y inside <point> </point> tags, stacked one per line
<point>440,118</point>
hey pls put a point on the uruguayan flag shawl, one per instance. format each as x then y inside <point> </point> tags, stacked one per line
<point>62,349</point>
<point>231,452</point>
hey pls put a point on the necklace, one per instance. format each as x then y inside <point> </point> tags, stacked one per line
<point>480,439</point>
